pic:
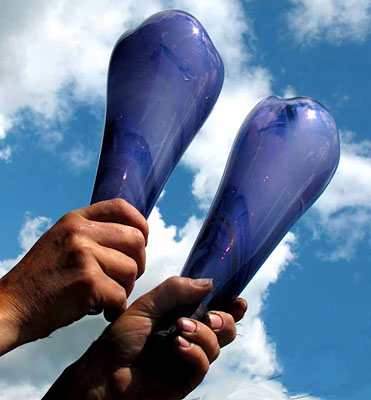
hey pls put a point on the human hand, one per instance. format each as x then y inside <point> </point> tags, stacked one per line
<point>108,370</point>
<point>88,261</point>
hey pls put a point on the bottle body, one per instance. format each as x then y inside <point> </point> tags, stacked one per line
<point>283,157</point>
<point>164,79</point>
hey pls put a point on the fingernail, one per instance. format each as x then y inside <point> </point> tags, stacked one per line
<point>183,342</point>
<point>216,321</point>
<point>202,282</point>
<point>188,325</point>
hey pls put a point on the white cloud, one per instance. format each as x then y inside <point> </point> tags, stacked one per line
<point>32,230</point>
<point>6,154</point>
<point>29,233</point>
<point>50,139</point>
<point>23,391</point>
<point>289,92</point>
<point>63,61</point>
<point>333,20</point>
<point>244,86</point>
<point>343,212</point>
<point>79,158</point>
<point>67,62</point>
<point>5,125</point>
<point>208,153</point>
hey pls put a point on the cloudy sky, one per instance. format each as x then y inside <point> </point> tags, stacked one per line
<point>308,329</point>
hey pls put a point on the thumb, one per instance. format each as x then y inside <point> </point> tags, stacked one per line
<point>169,294</point>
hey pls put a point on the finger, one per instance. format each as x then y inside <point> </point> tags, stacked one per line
<point>111,315</point>
<point>123,238</point>
<point>109,295</point>
<point>118,266</point>
<point>223,325</point>
<point>200,334</point>
<point>196,360</point>
<point>118,211</point>
<point>174,291</point>
<point>238,309</point>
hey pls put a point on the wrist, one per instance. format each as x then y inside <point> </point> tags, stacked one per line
<point>79,380</point>
<point>10,325</point>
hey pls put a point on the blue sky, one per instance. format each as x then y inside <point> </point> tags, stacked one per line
<point>309,322</point>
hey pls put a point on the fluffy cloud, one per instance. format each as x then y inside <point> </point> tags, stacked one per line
<point>208,153</point>
<point>4,125</point>
<point>67,63</point>
<point>32,230</point>
<point>23,391</point>
<point>347,201</point>
<point>251,356</point>
<point>79,157</point>
<point>334,20</point>
<point>244,86</point>
<point>6,154</point>
<point>289,92</point>
<point>65,60</point>
<point>29,233</point>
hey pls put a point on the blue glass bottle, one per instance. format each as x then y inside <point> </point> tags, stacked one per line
<point>163,81</point>
<point>283,157</point>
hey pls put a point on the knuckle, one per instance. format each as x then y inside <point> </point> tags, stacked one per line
<point>119,299</point>
<point>119,204</point>
<point>172,285</point>
<point>69,221</point>
<point>70,229</point>
<point>131,270</point>
<point>137,238</point>
<point>90,289</point>
<point>74,242</point>
<point>173,282</point>
<point>125,209</point>
<point>71,236</point>
<point>89,280</point>
<point>79,249</point>
<point>78,254</point>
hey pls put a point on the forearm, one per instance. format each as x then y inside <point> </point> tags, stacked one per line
<point>10,327</point>
<point>8,338</point>
<point>70,385</point>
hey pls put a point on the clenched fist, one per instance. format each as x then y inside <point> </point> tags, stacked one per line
<point>87,262</point>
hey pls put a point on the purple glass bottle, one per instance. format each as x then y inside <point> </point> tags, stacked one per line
<point>284,156</point>
<point>163,81</point>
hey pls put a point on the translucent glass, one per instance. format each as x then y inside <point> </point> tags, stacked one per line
<point>164,78</point>
<point>283,157</point>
